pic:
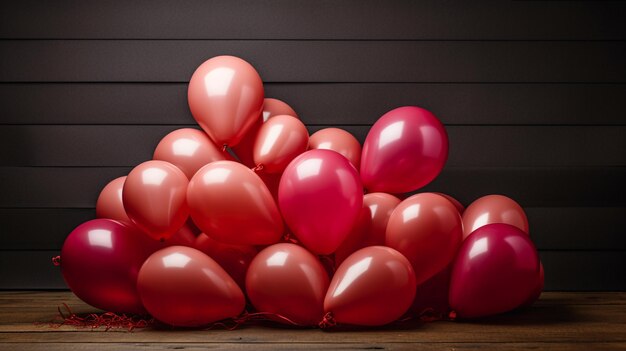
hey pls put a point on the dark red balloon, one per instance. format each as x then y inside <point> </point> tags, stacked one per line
<point>495,271</point>
<point>538,287</point>
<point>100,260</point>
<point>431,297</point>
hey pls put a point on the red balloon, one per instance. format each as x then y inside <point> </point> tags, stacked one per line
<point>182,286</point>
<point>235,259</point>
<point>405,150</point>
<point>493,209</point>
<point>374,286</point>
<point>225,97</point>
<point>109,204</point>
<point>278,141</point>
<point>154,197</point>
<point>287,280</point>
<point>337,140</point>
<point>100,260</point>
<point>459,206</point>
<point>188,149</point>
<point>271,108</point>
<point>320,196</point>
<point>538,287</point>
<point>495,271</point>
<point>185,236</point>
<point>370,227</point>
<point>427,229</point>
<point>431,296</point>
<point>272,181</point>
<point>230,203</point>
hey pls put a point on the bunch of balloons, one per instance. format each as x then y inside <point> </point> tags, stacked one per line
<point>305,229</point>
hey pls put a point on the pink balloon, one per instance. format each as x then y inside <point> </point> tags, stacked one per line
<point>225,96</point>
<point>109,204</point>
<point>374,286</point>
<point>271,108</point>
<point>230,203</point>
<point>188,149</point>
<point>154,197</point>
<point>538,287</point>
<point>100,260</point>
<point>337,140</point>
<point>493,209</point>
<point>182,286</point>
<point>495,271</point>
<point>279,141</point>
<point>405,150</point>
<point>235,259</point>
<point>320,196</point>
<point>370,227</point>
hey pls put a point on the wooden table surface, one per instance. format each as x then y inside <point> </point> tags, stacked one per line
<point>558,321</point>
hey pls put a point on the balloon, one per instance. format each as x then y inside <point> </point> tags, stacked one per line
<point>493,209</point>
<point>182,286</point>
<point>337,140</point>
<point>185,236</point>
<point>495,271</point>
<point>100,260</point>
<point>426,228</point>
<point>459,206</point>
<point>287,280</point>
<point>109,204</point>
<point>374,286</point>
<point>320,196</point>
<point>225,97</point>
<point>271,108</point>
<point>370,227</point>
<point>431,296</point>
<point>405,149</point>
<point>235,259</point>
<point>279,141</point>
<point>154,197</point>
<point>231,204</point>
<point>188,149</point>
<point>271,181</point>
<point>534,296</point>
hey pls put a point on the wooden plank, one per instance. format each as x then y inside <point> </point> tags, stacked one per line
<point>320,20</point>
<point>317,61</point>
<point>552,228</point>
<point>565,270</point>
<point>78,187</point>
<point>470,146</point>
<point>320,103</point>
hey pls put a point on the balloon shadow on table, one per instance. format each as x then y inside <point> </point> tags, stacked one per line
<point>533,315</point>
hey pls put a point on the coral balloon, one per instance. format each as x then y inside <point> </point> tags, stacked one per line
<point>182,286</point>
<point>230,203</point>
<point>493,209</point>
<point>405,150</point>
<point>100,260</point>
<point>235,259</point>
<point>109,204</point>
<point>337,140</point>
<point>287,280</point>
<point>271,108</point>
<point>459,206</point>
<point>426,228</point>
<point>279,141</point>
<point>374,286</point>
<point>225,97</point>
<point>320,196</point>
<point>188,149</point>
<point>370,227</point>
<point>495,271</point>
<point>154,197</point>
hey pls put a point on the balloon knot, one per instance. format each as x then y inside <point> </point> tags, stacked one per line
<point>56,260</point>
<point>328,321</point>
<point>224,147</point>
<point>108,320</point>
<point>452,315</point>
<point>257,168</point>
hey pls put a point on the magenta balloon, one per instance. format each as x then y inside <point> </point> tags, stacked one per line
<point>320,196</point>
<point>405,150</point>
<point>495,271</point>
<point>100,260</point>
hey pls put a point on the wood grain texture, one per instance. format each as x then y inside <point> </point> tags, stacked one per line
<point>301,19</point>
<point>317,61</point>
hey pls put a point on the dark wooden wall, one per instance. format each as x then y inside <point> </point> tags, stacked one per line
<point>532,94</point>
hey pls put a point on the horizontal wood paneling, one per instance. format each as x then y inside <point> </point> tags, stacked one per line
<point>551,228</point>
<point>320,103</point>
<point>317,61</point>
<point>564,270</point>
<point>63,187</point>
<point>289,19</point>
<point>470,146</point>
